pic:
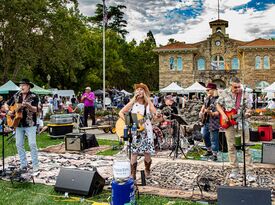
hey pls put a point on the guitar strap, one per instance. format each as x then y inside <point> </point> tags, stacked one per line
<point>238,100</point>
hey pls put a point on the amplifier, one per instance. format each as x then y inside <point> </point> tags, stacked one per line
<point>75,141</point>
<point>268,153</point>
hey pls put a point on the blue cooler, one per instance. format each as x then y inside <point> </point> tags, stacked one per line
<point>123,193</point>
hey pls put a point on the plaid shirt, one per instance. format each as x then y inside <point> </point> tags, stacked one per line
<point>214,121</point>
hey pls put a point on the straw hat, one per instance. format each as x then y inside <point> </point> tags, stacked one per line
<point>144,87</point>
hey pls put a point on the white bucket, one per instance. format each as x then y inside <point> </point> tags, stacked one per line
<point>121,169</point>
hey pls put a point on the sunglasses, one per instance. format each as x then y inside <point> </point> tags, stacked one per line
<point>236,87</point>
<point>208,90</point>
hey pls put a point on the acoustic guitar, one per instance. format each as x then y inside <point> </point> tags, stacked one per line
<point>205,114</point>
<point>232,116</point>
<point>120,125</point>
<point>14,120</point>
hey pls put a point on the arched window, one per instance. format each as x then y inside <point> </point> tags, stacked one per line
<point>266,62</point>
<point>235,63</point>
<point>219,29</point>
<point>171,63</point>
<point>258,62</point>
<point>201,64</point>
<point>217,63</point>
<point>179,63</point>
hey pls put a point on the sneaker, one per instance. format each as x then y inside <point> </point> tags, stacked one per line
<point>251,177</point>
<point>208,153</point>
<point>214,158</point>
<point>234,174</point>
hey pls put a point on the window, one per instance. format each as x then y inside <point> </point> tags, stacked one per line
<point>171,63</point>
<point>217,63</point>
<point>179,63</point>
<point>258,62</point>
<point>201,64</point>
<point>266,62</point>
<point>219,29</point>
<point>235,63</point>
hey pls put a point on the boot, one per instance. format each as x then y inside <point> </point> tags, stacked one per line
<point>134,170</point>
<point>147,167</point>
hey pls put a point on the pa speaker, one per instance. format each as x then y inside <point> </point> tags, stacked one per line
<point>75,141</point>
<point>243,196</point>
<point>80,182</point>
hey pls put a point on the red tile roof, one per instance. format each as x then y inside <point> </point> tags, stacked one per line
<point>260,42</point>
<point>176,46</point>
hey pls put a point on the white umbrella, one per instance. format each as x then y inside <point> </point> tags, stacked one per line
<point>125,92</point>
<point>270,88</point>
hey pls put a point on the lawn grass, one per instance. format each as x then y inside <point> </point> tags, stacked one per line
<point>32,194</point>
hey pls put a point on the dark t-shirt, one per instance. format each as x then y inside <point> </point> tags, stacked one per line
<point>173,108</point>
<point>29,118</point>
<point>73,100</point>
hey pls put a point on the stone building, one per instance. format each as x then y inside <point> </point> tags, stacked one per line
<point>217,59</point>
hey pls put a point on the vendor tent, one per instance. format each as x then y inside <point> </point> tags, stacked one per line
<point>125,92</point>
<point>247,89</point>
<point>195,88</point>
<point>270,88</point>
<point>99,92</point>
<point>172,88</point>
<point>8,86</point>
<point>40,91</point>
<point>63,93</point>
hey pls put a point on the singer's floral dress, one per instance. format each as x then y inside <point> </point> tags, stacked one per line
<point>144,142</point>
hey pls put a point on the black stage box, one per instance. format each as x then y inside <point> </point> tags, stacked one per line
<point>222,142</point>
<point>229,195</point>
<point>80,141</point>
<point>60,129</point>
<point>80,182</point>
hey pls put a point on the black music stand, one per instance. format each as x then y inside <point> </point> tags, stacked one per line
<point>3,133</point>
<point>180,121</point>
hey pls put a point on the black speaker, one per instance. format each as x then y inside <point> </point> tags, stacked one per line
<point>243,196</point>
<point>80,182</point>
<point>91,141</point>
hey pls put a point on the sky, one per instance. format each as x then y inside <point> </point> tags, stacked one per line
<point>188,20</point>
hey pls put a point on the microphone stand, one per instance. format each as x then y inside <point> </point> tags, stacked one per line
<point>243,136</point>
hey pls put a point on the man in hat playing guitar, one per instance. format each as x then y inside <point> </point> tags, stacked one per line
<point>231,99</point>
<point>210,118</point>
<point>28,102</point>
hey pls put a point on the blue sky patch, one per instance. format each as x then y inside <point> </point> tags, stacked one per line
<point>255,4</point>
<point>186,12</point>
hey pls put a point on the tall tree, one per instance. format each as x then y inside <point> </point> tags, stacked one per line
<point>115,18</point>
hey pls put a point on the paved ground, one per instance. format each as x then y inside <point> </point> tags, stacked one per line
<point>100,134</point>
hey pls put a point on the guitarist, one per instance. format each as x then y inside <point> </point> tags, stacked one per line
<point>231,98</point>
<point>27,125</point>
<point>141,104</point>
<point>211,126</point>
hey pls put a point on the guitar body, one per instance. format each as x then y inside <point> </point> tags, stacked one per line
<point>13,121</point>
<point>232,115</point>
<point>120,124</point>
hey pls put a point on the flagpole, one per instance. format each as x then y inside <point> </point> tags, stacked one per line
<point>104,53</point>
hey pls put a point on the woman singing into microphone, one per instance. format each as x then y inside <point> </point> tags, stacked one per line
<point>141,104</point>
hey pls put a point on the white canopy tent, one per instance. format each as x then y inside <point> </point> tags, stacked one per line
<point>195,88</point>
<point>172,88</point>
<point>270,88</point>
<point>126,93</point>
<point>247,89</point>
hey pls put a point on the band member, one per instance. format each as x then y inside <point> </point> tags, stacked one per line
<point>169,102</point>
<point>88,98</point>
<point>142,105</point>
<point>210,117</point>
<point>27,125</point>
<point>231,98</point>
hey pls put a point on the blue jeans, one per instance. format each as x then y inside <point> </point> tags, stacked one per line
<point>211,138</point>
<point>20,136</point>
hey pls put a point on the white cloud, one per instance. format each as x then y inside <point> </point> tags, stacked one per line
<point>145,15</point>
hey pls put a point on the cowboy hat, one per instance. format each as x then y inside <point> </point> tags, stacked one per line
<point>144,87</point>
<point>26,81</point>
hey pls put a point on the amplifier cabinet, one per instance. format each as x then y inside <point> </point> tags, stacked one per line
<point>75,142</point>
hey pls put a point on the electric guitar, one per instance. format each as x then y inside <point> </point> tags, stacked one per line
<point>232,115</point>
<point>120,125</point>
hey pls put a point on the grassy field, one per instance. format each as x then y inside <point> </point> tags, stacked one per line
<point>30,194</point>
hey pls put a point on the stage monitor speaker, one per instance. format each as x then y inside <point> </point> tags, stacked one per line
<point>91,141</point>
<point>80,182</point>
<point>268,153</point>
<point>243,196</point>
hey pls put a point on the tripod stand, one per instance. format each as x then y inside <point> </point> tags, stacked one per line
<point>177,122</point>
